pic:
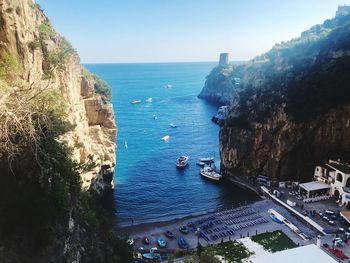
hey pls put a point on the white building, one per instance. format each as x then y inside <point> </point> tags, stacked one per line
<point>337,176</point>
<point>343,10</point>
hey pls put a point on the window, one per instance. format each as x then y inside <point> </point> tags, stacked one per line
<point>339,177</point>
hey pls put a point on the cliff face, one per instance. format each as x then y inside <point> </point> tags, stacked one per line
<point>219,86</point>
<point>57,140</point>
<point>291,109</point>
<point>26,34</point>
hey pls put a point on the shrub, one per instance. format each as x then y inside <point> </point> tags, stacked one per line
<point>9,67</point>
<point>56,60</point>
<point>102,88</point>
<point>46,31</point>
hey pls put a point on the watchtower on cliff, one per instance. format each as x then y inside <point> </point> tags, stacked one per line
<point>223,59</point>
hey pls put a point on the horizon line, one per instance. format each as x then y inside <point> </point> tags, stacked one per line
<point>161,62</point>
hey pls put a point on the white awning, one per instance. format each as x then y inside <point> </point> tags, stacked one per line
<point>314,186</point>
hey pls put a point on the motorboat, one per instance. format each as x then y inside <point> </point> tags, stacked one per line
<point>149,100</point>
<point>207,159</point>
<point>172,125</point>
<point>182,243</point>
<point>151,256</point>
<point>161,242</point>
<point>169,234</point>
<point>166,138</point>
<point>135,102</point>
<point>146,241</point>
<point>155,117</point>
<point>182,161</point>
<point>210,173</point>
<point>168,86</point>
<point>183,230</point>
<point>202,164</point>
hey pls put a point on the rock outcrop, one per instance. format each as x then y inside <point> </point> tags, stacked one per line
<point>291,109</point>
<point>219,86</point>
<point>26,33</point>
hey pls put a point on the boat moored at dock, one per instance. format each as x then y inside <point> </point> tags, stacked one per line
<point>210,173</point>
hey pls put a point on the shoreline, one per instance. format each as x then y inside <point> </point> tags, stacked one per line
<point>232,180</point>
<point>150,225</point>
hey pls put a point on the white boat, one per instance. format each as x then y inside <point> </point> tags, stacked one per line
<point>155,117</point>
<point>126,145</point>
<point>202,164</point>
<point>207,159</point>
<point>150,99</point>
<point>168,86</point>
<point>166,138</point>
<point>210,173</point>
<point>135,102</point>
<point>172,125</point>
<point>182,161</point>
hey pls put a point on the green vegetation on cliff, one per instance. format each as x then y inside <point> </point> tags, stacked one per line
<point>290,109</point>
<point>46,215</point>
<point>309,75</point>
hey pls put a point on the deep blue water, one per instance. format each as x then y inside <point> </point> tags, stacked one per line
<point>148,187</point>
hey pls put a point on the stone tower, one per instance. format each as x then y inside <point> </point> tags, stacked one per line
<point>223,59</point>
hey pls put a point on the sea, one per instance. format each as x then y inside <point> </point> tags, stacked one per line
<point>148,187</point>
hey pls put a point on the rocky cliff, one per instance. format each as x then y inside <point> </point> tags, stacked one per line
<point>219,86</point>
<point>26,34</point>
<point>291,109</point>
<point>57,147</point>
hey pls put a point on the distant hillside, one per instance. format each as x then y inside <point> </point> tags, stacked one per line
<point>291,106</point>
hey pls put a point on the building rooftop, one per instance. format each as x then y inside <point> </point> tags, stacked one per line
<point>344,168</point>
<point>303,254</point>
<point>313,186</point>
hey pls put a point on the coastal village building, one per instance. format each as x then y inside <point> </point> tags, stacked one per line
<point>343,10</point>
<point>337,176</point>
<point>223,59</point>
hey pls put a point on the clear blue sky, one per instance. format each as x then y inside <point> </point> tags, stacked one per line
<point>181,30</point>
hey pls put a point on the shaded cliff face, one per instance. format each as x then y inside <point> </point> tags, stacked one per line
<point>291,108</point>
<point>47,61</point>
<point>57,140</point>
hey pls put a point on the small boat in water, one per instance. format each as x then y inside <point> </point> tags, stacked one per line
<point>183,230</point>
<point>166,138</point>
<point>172,125</point>
<point>125,145</point>
<point>135,102</point>
<point>155,117</point>
<point>207,159</point>
<point>151,256</point>
<point>169,234</point>
<point>182,161</point>
<point>202,164</point>
<point>149,100</point>
<point>168,86</point>
<point>182,243</point>
<point>210,173</point>
<point>161,242</point>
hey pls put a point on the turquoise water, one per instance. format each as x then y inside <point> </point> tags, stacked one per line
<point>148,187</point>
